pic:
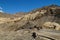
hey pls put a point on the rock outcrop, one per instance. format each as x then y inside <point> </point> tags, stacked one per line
<point>51,25</point>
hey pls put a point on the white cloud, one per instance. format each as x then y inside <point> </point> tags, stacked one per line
<point>1,9</point>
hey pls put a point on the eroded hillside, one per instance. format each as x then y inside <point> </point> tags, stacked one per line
<point>39,24</point>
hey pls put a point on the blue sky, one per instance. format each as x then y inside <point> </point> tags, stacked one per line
<point>13,6</point>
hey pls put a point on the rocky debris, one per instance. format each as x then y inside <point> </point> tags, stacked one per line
<point>30,35</point>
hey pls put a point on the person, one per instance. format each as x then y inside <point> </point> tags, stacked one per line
<point>34,35</point>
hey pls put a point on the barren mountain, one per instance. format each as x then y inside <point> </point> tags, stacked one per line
<point>40,24</point>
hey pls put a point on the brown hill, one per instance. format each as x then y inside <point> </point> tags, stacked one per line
<point>35,19</point>
<point>40,24</point>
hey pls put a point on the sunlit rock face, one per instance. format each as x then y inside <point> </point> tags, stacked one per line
<point>51,25</point>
